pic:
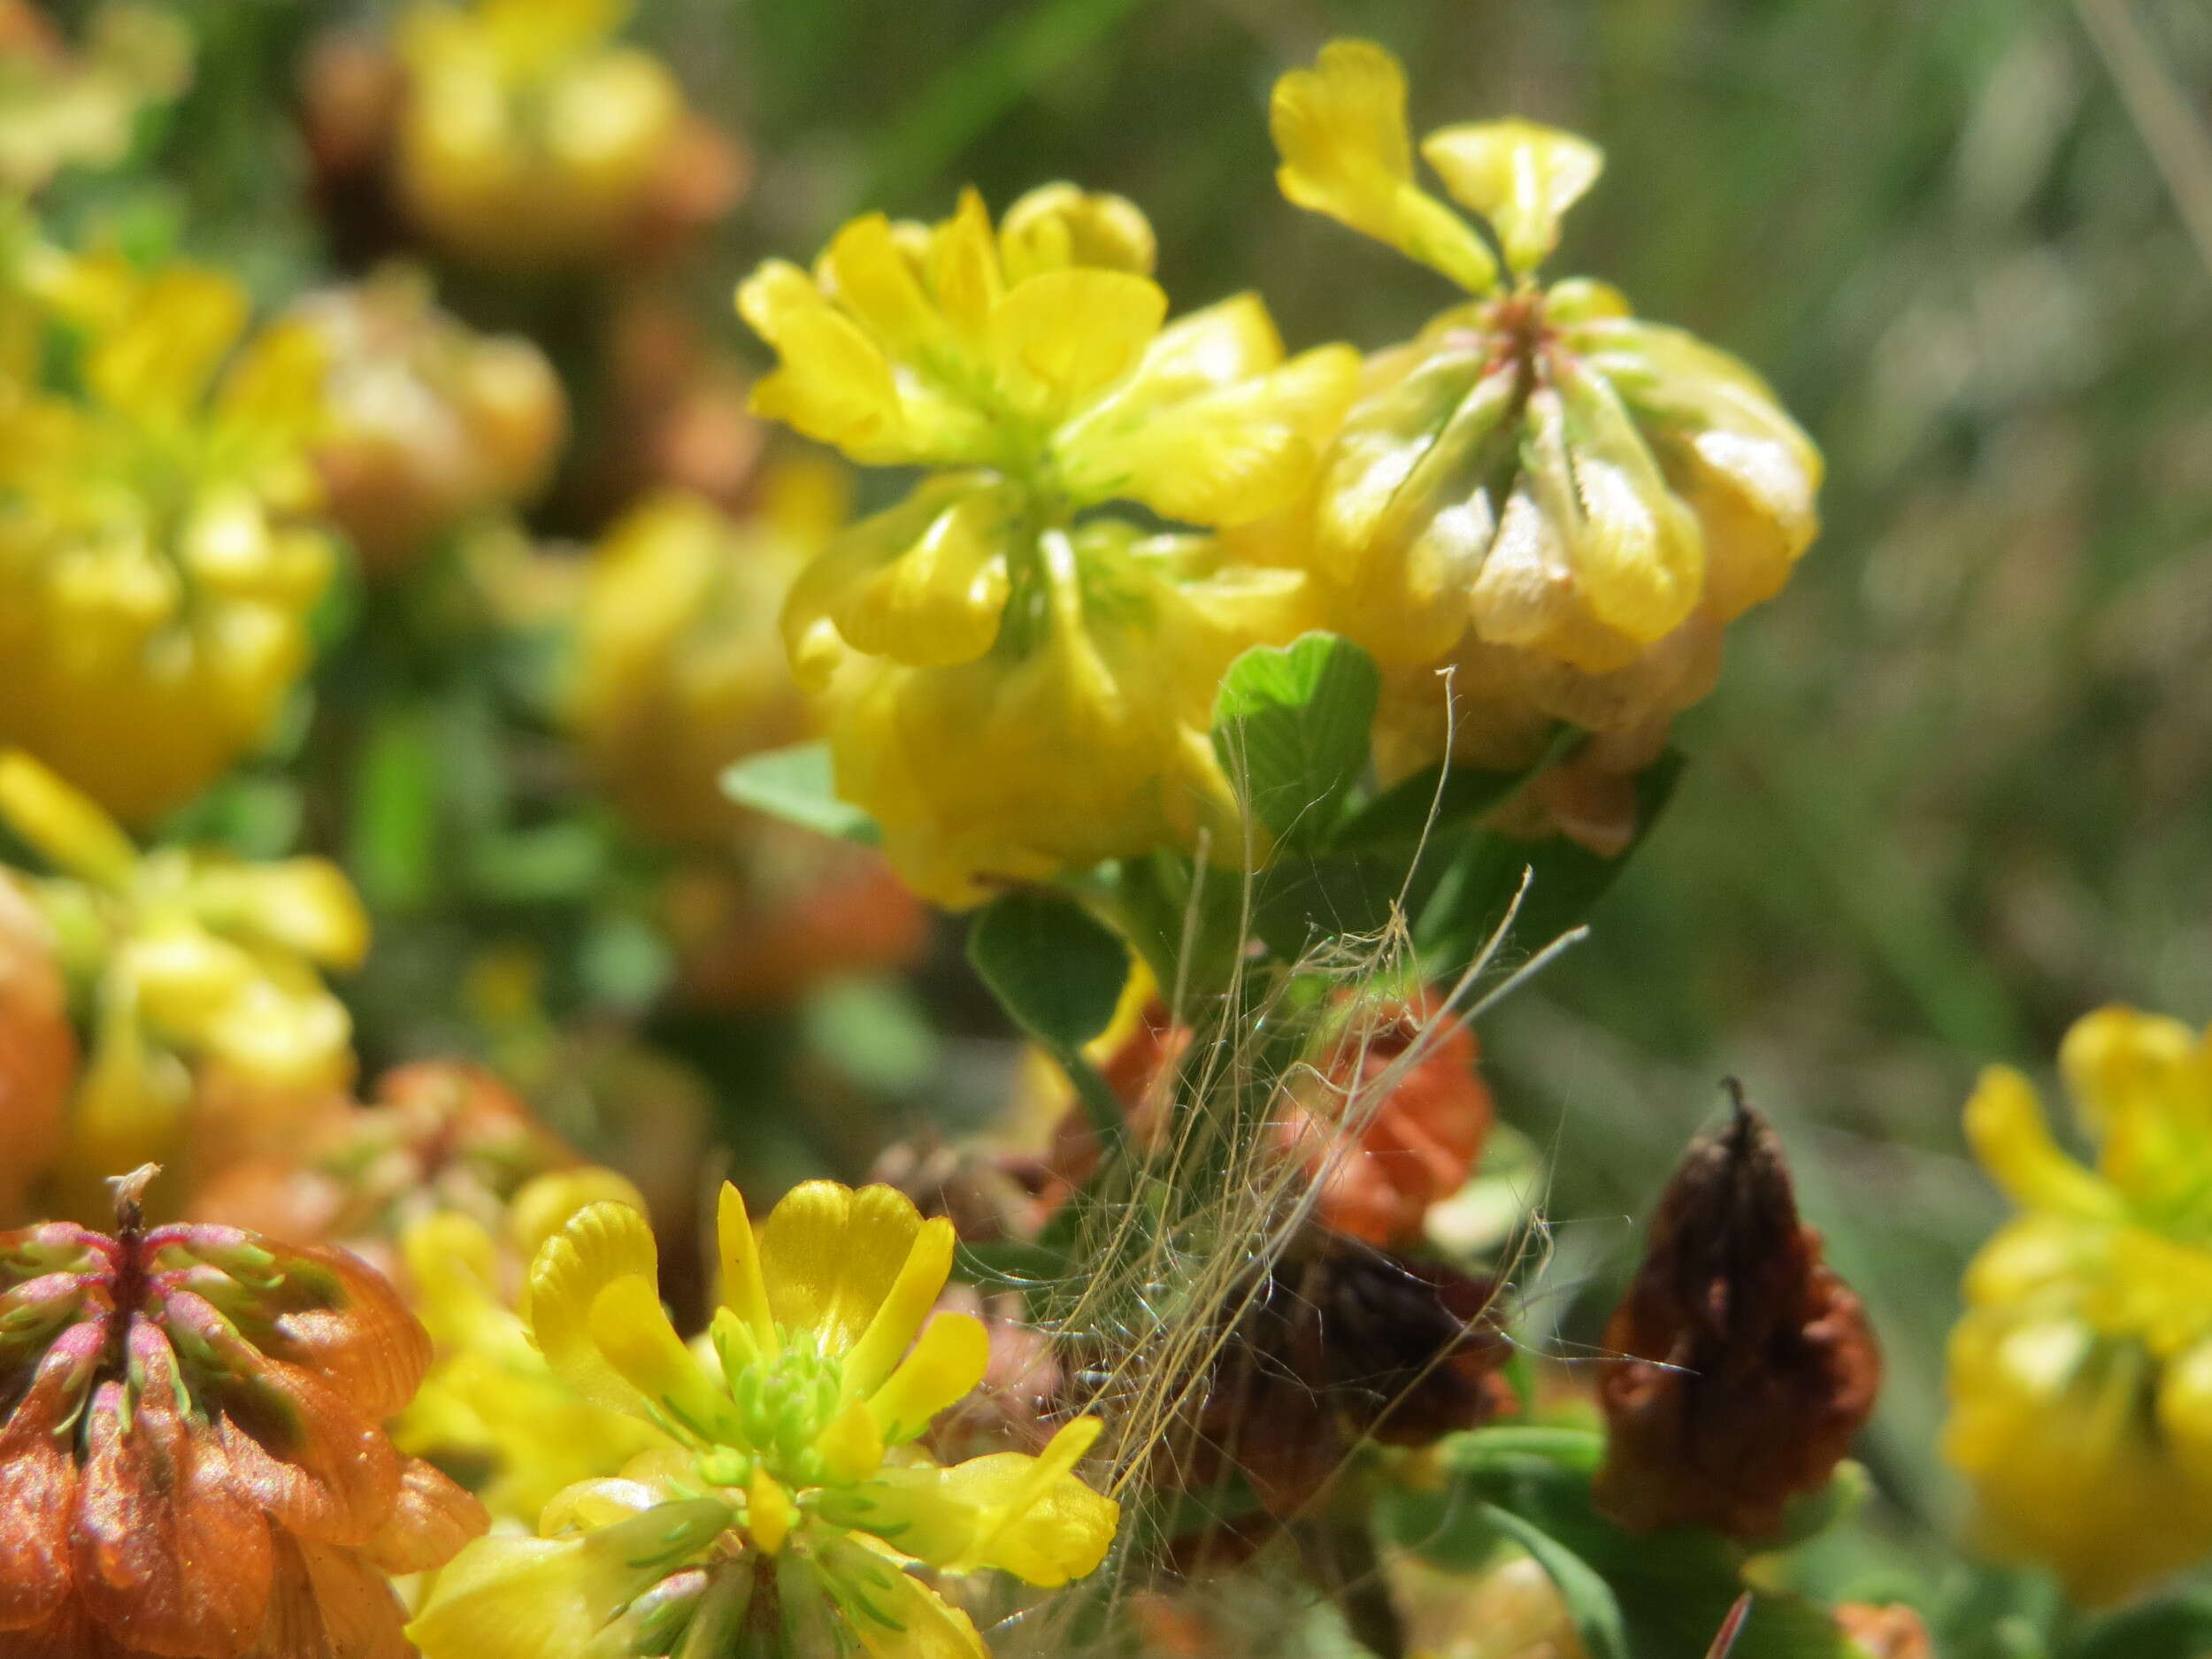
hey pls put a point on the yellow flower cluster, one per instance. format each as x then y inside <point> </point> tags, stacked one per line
<point>788,1505</point>
<point>1019,684</point>
<point>426,422</point>
<point>2081,1372</point>
<point>489,1406</point>
<point>61,107</point>
<point>529,136</point>
<point>1561,503</point>
<point>157,565</point>
<point>679,667</point>
<point>195,968</point>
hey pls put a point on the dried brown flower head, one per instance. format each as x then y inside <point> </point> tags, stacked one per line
<point>1743,1365</point>
<point>1334,1343</point>
<point>191,1460</point>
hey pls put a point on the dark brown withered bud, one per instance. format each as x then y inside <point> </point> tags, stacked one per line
<point>1742,1366</point>
<point>1334,1343</point>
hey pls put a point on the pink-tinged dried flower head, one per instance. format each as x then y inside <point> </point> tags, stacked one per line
<point>192,1464</point>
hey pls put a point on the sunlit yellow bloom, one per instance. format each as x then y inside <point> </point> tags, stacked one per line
<point>185,959</point>
<point>679,667</point>
<point>490,1409</point>
<point>2081,1373</point>
<point>157,565</point>
<point>1081,735</point>
<point>428,422</point>
<point>1026,659</point>
<point>530,136</point>
<point>1560,500</point>
<point>60,107</point>
<point>792,1463</point>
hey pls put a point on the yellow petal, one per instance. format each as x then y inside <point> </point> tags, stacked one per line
<point>907,1303</point>
<point>744,1293</point>
<point>1228,457</point>
<point>276,386</point>
<point>453,1272</point>
<point>304,904</point>
<point>962,263</point>
<point>830,1255</point>
<point>1056,225</point>
<point>769,1511</point>
<point>504,1597</point>
<point>600,1245</point>
<point>2120,1065</point>
<point>2005,1126</point>
<point>872,279</point>
<point>1519,176</point>
<point>938,600</point>
<point>542,1206</point>
<point>949,1360</point>
<point>832,381</point>
<point>65,827</point>
<point>1340,130</point>
<point>1063,336</point>
<point>1009,1511</point>
<point>163,355</point>
<point>633,1334</point>
<point>851,1447</point>
<point>1219,345</point>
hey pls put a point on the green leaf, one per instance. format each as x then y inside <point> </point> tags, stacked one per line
<point>1590,1601</point>
<point>1057,968</point>
<point>1438,798</point>
<point>1290,727</point>
<point>1185,920</point>
<point>795,785</point>
<point>1482,869</point>
<point>2180,1628</point>
<point>392,834</point>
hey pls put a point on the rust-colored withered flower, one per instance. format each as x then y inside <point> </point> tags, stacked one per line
<point>1337,1342</point>
<point>1743,1365</point>
<point>191,1461</point>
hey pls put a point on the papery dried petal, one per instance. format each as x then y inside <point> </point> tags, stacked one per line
<point>164,1547</point>
<point>429,1522</point>
<point>38,1482</point>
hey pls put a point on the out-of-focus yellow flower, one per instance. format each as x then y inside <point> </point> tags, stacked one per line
<point>490,1409</point>
<point>1007,692</point>
<point>428,422</point>
<point>1561,501</point>
<point>679,667</point>
<point>2081,1372</point>
<point>792,1500</point>
<point>529,136</point>
<point>61,107</point>
<point>189,963</point>
<point>157,563</point>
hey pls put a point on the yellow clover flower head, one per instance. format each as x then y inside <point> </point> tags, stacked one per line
<point>530,136</point>
<point>792,1504</point>
<point>679,666</point>
<point>65,104</point>
<point>157,559</point>
<point>1564,501</point>
<point>490,1409</point>
<point>995,623</point>
<point>186,960</point>
<point>2081,1371</point>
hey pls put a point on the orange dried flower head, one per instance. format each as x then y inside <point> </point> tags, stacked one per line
<point>1744,1365</point>
<point>441,1134</point>
<point>192,1465</point>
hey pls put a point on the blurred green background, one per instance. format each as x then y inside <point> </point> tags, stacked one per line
<point>1953,789</point>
